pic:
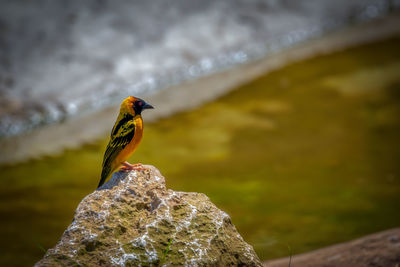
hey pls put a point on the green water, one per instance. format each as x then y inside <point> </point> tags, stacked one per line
<point>306,156</point>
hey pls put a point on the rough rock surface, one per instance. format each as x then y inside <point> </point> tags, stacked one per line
<point>133,220</point>
<point>378,250</point>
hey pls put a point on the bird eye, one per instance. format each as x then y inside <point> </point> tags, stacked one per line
<point>140,104</point>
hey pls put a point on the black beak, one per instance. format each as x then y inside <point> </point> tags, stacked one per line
<point>147,106</point>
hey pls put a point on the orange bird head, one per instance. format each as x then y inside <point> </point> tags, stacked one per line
<point>134,106</point>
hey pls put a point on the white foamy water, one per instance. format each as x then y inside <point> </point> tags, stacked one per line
<point>61,58</point>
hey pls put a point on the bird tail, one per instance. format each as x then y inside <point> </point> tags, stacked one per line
<point>105,173</point>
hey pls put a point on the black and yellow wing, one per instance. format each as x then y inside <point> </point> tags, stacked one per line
<point>121,135</point>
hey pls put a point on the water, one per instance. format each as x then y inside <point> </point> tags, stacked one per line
<point>59,59</point>
<point>305,156</point>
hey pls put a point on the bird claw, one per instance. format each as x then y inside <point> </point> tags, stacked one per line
<point>130,167</point>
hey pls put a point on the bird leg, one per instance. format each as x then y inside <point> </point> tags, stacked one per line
<point>129,167</point>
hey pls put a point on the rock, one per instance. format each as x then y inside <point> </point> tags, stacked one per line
<point>379,250</point>
<point>134,220</point>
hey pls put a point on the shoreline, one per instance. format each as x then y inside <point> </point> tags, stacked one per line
<point>377,249</point>
<point>85,129</point>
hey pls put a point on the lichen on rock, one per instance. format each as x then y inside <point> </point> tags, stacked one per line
<point>134,220</point>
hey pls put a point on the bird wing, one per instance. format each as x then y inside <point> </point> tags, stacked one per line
<point>120,137</point>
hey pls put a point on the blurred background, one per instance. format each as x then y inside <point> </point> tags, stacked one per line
<point>285,113</point>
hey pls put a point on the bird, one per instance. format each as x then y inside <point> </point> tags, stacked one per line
<point>125,137</point>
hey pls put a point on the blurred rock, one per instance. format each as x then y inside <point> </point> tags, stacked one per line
<point>379,250</point>
<point>135,220</point>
